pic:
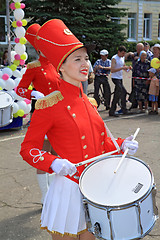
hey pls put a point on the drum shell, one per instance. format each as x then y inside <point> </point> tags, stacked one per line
<point>6,111</point>
<point>130,221</point>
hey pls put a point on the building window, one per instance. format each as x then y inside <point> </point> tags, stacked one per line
<point>116,20</point>
<point>131,26</point>
<point>159,26</point>
<point>3,29</point>
<point>147,26</point>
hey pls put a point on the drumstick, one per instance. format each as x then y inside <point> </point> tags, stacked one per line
<point>126,151</point>
<point>95,158</point>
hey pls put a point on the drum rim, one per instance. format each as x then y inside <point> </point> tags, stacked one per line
<point>124,205</point>
<point>11,98</point>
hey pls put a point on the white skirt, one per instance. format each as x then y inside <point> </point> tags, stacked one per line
<point>63,211</point>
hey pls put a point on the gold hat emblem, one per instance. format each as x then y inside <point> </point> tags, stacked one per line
<point>67,31</point>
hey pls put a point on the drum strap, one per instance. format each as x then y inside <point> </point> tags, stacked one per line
<point>112,138</point>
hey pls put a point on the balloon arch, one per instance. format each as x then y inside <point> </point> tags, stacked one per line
<point>11,75</point>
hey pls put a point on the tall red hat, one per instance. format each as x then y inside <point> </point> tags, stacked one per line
<point>56,42</point>
<point>31,34</point>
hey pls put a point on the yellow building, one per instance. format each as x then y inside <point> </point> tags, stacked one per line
<point>143,19</point>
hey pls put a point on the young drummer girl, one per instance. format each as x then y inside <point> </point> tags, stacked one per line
<point>153,91</point>
<point>74,129</point>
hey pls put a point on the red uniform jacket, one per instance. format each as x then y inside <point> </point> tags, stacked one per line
<point>42,75</point>
<point>73,126</point>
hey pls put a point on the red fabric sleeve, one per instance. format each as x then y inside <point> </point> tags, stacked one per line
<point>31,148</point>
<point>22,89</point>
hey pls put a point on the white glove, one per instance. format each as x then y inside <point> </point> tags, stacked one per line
<point>37,94</point>
<point>131,145</point>
<point>63,167</point>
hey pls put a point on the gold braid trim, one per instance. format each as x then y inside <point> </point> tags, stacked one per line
<point>93,101</point>
<point>49,100</point>
<point>65,234</point>
<point>33,64</point>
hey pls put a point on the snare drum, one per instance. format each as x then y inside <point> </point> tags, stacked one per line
<point>6,108</point>
<point>122,205</point>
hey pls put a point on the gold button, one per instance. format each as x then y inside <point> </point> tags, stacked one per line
<point>42,69</point>
<point>102,134</point>
<point>74,115</point>
<point>68,107</point>
<point>85,146</point>
<point>26,90</point>
<point>86,156</point>
<point>83,137</point>
<point>85,165</point>
<point>49,83</point>
<point>102,142</point>
<point>41,158</point>
<point>45,73</point>
<point>103,152</point>
<point>50,88</point>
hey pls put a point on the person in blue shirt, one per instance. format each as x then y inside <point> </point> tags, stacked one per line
<point>101,70</point>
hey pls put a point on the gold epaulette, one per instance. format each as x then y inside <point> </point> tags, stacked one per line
<point>93,101</point>
<point>33,64</point>
<point>49,100</point>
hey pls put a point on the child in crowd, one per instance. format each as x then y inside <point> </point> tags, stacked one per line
<point>153,91</point>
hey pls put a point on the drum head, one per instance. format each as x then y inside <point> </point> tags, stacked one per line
<point>5,99</point>
<point>100,185</point>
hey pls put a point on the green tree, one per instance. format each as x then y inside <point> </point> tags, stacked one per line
<point>90,21</point>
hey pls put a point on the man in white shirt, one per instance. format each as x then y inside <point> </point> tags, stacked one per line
<point>117,67</point>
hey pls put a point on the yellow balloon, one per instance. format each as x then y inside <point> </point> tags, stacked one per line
<point>23,57</point>
<point>23,40</point>
<point>16,62</point>
<point>17,5</point>
<point>24,22</point>
<point>20,113</point>
<point>13,67</point>
<point>14,24</point>
<point>155,63</point>
<point>15,115</point>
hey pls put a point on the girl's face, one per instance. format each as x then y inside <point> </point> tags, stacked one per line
<point>151,75</point>
<point>76,67</point>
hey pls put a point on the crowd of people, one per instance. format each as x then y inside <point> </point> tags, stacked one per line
<point>144,82</point>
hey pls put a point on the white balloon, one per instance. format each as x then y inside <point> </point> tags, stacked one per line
<point>20,32</point>
<point>17,80</point>
<point>13,53</point>
<point>20,48</point>
<point>1,74</point>
<point>15,107</point>
<point>10,84</point>
<point>22,105</point>
<point>28,109</point>
<point>23,70</point>
<point>17,1</point>
<point>7,71</point>
<point>2,83</point>
<point>17,74</point>
<point>18,14</point>
<point>12,93</point>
